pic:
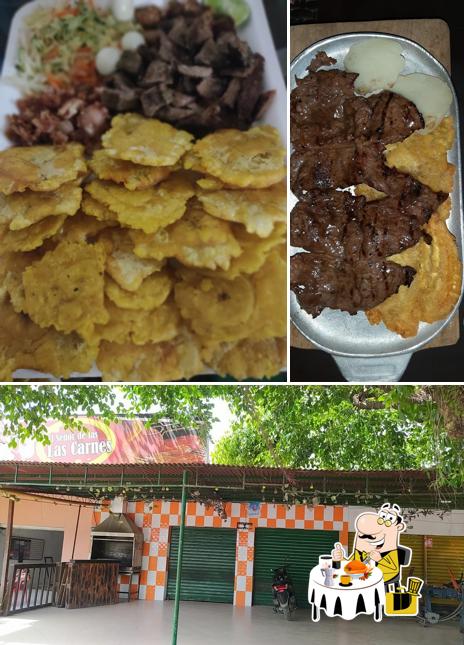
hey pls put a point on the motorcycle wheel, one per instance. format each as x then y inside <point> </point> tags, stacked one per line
<point>289,611</point>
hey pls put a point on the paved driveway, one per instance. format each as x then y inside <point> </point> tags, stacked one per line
<point>146,623</point>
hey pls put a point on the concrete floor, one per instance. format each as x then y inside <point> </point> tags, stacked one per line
<point>141,622</point>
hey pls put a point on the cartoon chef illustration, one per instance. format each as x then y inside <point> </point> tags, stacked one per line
<point>378,539</point>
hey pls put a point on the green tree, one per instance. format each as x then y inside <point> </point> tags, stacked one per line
<point>331,427</point>
<point>348,428</point>
<point>24,409</point>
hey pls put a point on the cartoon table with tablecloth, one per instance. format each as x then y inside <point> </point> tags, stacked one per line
<point>369,581</point>
<point>359,597</point>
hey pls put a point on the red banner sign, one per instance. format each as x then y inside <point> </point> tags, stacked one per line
<point>124,442</point>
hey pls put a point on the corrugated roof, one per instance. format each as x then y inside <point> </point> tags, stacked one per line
<point>139,481</point>
<point>212,470</point>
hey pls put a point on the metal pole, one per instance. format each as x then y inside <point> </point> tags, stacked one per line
<point>75,533</point>
<point>180,553</point>
<point>6,552</point>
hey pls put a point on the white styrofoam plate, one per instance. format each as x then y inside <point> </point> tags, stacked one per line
<point>255,31</point>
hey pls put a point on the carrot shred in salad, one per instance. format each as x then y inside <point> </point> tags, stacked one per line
<point>58,44</point>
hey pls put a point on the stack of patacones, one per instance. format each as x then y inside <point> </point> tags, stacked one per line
<point>175,261</point>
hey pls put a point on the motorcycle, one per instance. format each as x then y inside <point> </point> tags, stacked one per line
<point>283,592</point>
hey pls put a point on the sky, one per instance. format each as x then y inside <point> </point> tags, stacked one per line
<point>223,413</point>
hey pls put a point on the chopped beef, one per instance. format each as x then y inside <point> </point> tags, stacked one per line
<point>250,90</point>
<point>190,50</point>
<point>197,71</point>
<point>120,100</point>
<point>152,37</point>
<point>59,116</point>
<point>339,141</point>
<point>323,281</point>
<point>70,108</point>
<point>230,96</point>
<point>152,101</point>
<point>263,104</point>
<point>121,81</point>
<point>210,88</point>
<point>222,24</point>
<point>209,54</point>
<point>149,16</point>
<point>130,62</point>
<point>157,72</point>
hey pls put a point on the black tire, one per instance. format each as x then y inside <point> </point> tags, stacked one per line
<point>287,612</point>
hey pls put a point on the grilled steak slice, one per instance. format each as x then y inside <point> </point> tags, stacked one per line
<point>325,110</point>
<point>322,281</point>
<point>323,167</point>
<point>371,170</point>
<point>318,223</point>
<point>393,118</point>
<point>336,223</point>
<point>344,165</point>
<point>317,108</point>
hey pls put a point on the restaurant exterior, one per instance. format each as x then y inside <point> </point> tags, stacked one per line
<point>239,522</point>
<point>231,557</point>
<point>125,512</point>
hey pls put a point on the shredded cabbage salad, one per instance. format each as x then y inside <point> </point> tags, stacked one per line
<point>58,43</point>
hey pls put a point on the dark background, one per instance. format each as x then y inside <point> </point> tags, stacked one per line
<point>430,365</point>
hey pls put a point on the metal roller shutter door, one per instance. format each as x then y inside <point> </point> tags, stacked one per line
<point>208,568</point>
<point>297,548</point>
<point>447,552</point>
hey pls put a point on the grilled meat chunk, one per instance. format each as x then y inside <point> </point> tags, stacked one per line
<point>321,281</point>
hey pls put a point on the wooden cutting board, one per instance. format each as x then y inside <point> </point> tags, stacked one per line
<point>431,34</point>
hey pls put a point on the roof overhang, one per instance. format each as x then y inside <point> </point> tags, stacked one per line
<point>235,483</point>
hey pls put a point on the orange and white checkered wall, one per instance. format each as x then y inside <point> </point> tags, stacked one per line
<point>156,524</point>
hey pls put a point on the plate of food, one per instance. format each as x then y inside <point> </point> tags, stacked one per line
<point>142,192</point>
<point>376,225</point>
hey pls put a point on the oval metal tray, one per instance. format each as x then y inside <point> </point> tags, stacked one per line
<point>353,337</point>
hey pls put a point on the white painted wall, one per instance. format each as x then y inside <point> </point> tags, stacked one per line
<point>451,524</point>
